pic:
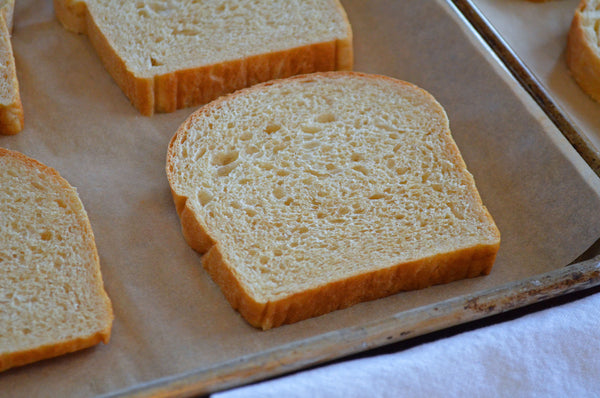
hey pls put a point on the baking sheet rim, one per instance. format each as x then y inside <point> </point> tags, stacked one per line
<point>494,40</point>
<point>398,327</point>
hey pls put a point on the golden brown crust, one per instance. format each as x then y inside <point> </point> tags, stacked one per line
<point>12,118</point>
<point>48,351</point>
<point>583,57</point>
<point>34,354</point>
<point>200,85</point>
<point>419,274</point>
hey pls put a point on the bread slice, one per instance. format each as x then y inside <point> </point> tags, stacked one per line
<point>11,109</point>
<point>313,193</point>
<point>167,55</point>
<point>52,299</point>
<point>583,47</point>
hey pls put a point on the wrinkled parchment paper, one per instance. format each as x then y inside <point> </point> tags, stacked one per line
<point>170,318</point>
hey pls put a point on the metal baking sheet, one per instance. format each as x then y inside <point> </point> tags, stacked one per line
<point>174,333</point>
<point>531,39</point>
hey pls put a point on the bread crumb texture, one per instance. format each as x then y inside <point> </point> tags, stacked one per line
<point>340,182</point>
<point>52,299</point>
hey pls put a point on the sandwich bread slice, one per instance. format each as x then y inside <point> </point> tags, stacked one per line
<point>313,193</point>
<point>171,54</point>
<point>52,299</point>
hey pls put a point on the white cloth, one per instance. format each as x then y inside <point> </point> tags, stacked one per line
<point>551,353</point>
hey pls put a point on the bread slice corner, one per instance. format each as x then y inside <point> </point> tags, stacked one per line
<point>313,193</point>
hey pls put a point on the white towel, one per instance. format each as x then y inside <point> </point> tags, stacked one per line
<point>551,353</point>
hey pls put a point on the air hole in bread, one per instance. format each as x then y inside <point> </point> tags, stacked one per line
<point>204,197</point>
<point>185,32</point>
<point>311,145</point>
<point>266,165</point>
<point>315,173</point>
<point>437,187</point>
<point>376,196</point>
<point>225,158</point>
<point>199,154</point>
<point>458,213</point>
<point>343,211</point>
<point>278,148</point>
<point>326,118</point>
<point>310,129</point>
<point>385,127</point>
<point>278,192</point>
<point>301,229</point>
<point>38,186</point>
<point>225,170</point>
<point>361,169</point>
<point>155,62</point>
<point>272,128</point>
<point>402,170</point>
<point>245,136</point>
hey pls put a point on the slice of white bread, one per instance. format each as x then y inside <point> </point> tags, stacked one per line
<point>316,192</point>
<point>11,109</point>
<point>52,299</point>
<point>167,55</point>
<point>583,47</point>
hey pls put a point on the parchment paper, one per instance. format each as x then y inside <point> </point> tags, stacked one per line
<point>537,33</point>
<point>170,317</point>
